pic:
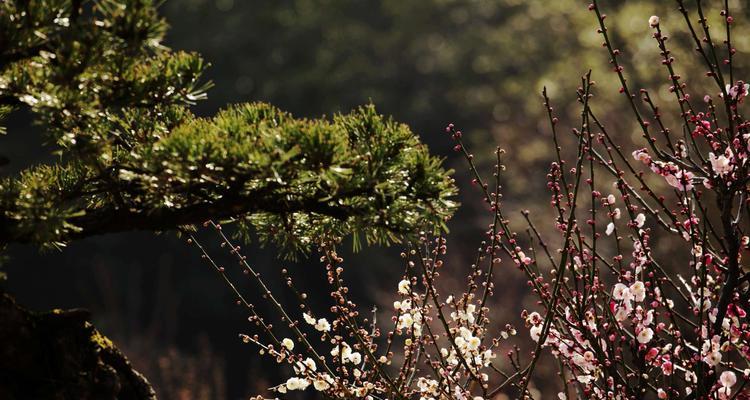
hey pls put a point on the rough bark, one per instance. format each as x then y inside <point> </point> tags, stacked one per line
<point>60,355</point>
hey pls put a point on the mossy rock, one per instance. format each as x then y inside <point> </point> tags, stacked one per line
<point>60,355</point>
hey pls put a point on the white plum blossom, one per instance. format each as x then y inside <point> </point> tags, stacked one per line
<point>640,219</point>
<point>622,313</point>
<point>680,180</point>
<point>721,165</point>
<point>712,358</point>
<point>638,289</point>
<point>465,315</point>
<point>295,383</point>
<point>653,21</point>
<point>405,321</point>
<point>402,305</point>
<point>428,387</point>
<point>610,229</point>
<point>323,325</point>
<point>403,287</point>
<point>535,332</point>
<point>645,335</point>
<point>712,351</point>
<point>727,380</point>
<point>343,350</point>
<point>355,358</point>
<point>473,343</point>
<point>621,292</point>
<point>321,383</point>
<point>307,366</point>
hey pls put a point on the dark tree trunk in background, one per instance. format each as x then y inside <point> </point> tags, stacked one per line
<point>60,355</point>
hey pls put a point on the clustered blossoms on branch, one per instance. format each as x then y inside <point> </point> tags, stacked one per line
<point>623,318</point>
<point>635,325</point>
<point>441,345</point>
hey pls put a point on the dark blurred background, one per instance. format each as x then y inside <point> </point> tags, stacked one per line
<point>480,64</point>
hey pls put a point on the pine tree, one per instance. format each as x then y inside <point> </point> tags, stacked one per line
<point>115,103</point>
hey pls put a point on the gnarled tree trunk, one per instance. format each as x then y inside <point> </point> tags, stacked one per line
<point>60,355</point>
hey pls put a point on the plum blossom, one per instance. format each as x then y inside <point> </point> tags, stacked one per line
<point>466,314</point>
<point>621,292</point>
<point>344,353</point>
<point>727,380</point>
<point>535,332</point>
<point>642,156</point>
<point>321,383</point>
<point>702,127</point>
<point>638,289</point>
<point>738,91</point>
<point>645,335</point>
<point>680,180</point>
<point>342,350</point>
<point>712,351</point>
<point>522,258</point>
<point>667,367</point>
<point>721,165</point>
<point>355,358</point>
<point>405,321</point>
<point>295,383</point>
<point>323,325</point>
<point>615,304</point>
<point>640,219</point>
<point>610,229</point>
<point>403,286</point>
